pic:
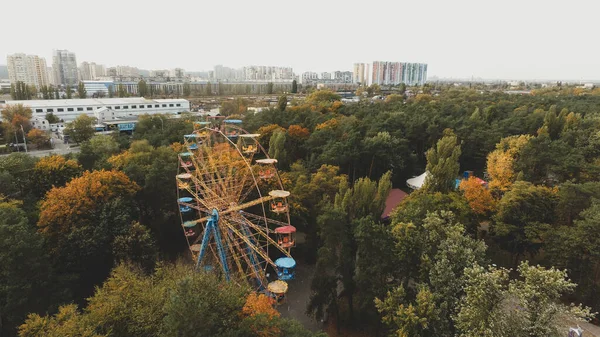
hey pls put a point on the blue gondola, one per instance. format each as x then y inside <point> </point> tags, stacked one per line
<point>286,268</point>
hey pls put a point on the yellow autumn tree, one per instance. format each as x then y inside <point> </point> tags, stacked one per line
<point>500,162</point>
<point>72,205</point>
<point>266,132</point>
<point>500,170</point>
<point>478,196</point>
<point>54,171</point>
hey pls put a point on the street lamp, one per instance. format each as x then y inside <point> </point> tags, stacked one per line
<point>24,140</point>
<point>162,124</point>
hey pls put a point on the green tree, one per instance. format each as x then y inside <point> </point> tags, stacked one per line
<point>25,284</point>
<point>442,164</point>
<point>142,88</point>
<point>121,91</point>
<point>20,91</point>
<point>69,91</point>
<point>111,91</point>
<point>187,90</point>
<point>277,148</point>
<point>45,92</point>
<point>337,257</point>
<point>81,220</point>
<point>81,92</point>
<point>270,88</point>
<point>282,103</point>
<point>294,87</point>
<point>208,89</point>
<point>573,247</point>
<point>81,129</point>
<point>15,179</point>
<point>67,322</point>
<point>51,118</point>
<point>96,151</point>
<point>524,215</point>
<point>136,246</point>
<point>56,93</point>
<point>152,168</point>
<point>175,300</point>
<point>433,256</point>
<point>407,319</point>
<point>527,306</point>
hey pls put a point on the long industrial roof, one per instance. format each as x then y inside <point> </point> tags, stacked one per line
<point>94,101</point>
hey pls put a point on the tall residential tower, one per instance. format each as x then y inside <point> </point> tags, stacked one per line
<point>64,65</point>
<point>393,73</point>
<point>30,69</point>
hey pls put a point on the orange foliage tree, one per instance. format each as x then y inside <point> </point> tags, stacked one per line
<point>329,124</point>
<point>54,171</point>
<point>478,196</point>
<point>74,205</point>
<point>37,137</point>
<point>17,115</point>
<point>298,132</point>
<point>261,305</point>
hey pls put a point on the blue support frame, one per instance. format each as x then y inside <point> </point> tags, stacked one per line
<point>252,254</point>
<point>212,228</point>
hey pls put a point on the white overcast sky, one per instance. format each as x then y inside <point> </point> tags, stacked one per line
<point>508,39</point>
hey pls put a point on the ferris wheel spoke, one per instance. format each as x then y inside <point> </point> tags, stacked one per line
<point>251,245</point>
<point>248,255</point>
<point>233,245</point>
<point>263,218</point>
<point>259,230</point>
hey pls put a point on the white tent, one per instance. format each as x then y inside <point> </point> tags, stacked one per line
<point>416,182</point>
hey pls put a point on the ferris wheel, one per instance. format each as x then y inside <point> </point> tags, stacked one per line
<point>233,207</point>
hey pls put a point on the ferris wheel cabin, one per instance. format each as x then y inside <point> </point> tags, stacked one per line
<point>231,127</point>
<point>183,181</point>
<point>248,143</point>
<point>266,170</point>
<point>279,201</point>
<point>286,236</point>
<point>185,159</point>
<point>286,268</point>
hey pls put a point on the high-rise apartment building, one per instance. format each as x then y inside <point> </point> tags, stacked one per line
<point>97,70</point>
<point>393,73</point>
<point>414,73</point>
<point>343,76</point>
<point>64,64</point>
<point>309,76</point>
<point>30,69</point>
<point>127,71</point>
<point>325,75</point>
<point>360,73</point>
<point>84,72</point>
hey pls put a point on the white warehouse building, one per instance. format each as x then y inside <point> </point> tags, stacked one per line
<point>105,109</point>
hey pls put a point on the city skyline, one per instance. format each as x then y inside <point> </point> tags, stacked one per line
<point>461,39</point>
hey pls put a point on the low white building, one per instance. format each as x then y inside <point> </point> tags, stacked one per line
<point>111,108</point>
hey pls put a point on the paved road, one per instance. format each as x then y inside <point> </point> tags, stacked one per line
<point>59,148</point>
<point>44,153</point>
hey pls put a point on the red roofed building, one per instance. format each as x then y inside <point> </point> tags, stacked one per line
<point>394,198</point>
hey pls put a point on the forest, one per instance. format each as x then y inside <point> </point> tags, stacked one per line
<point>90,243</point>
